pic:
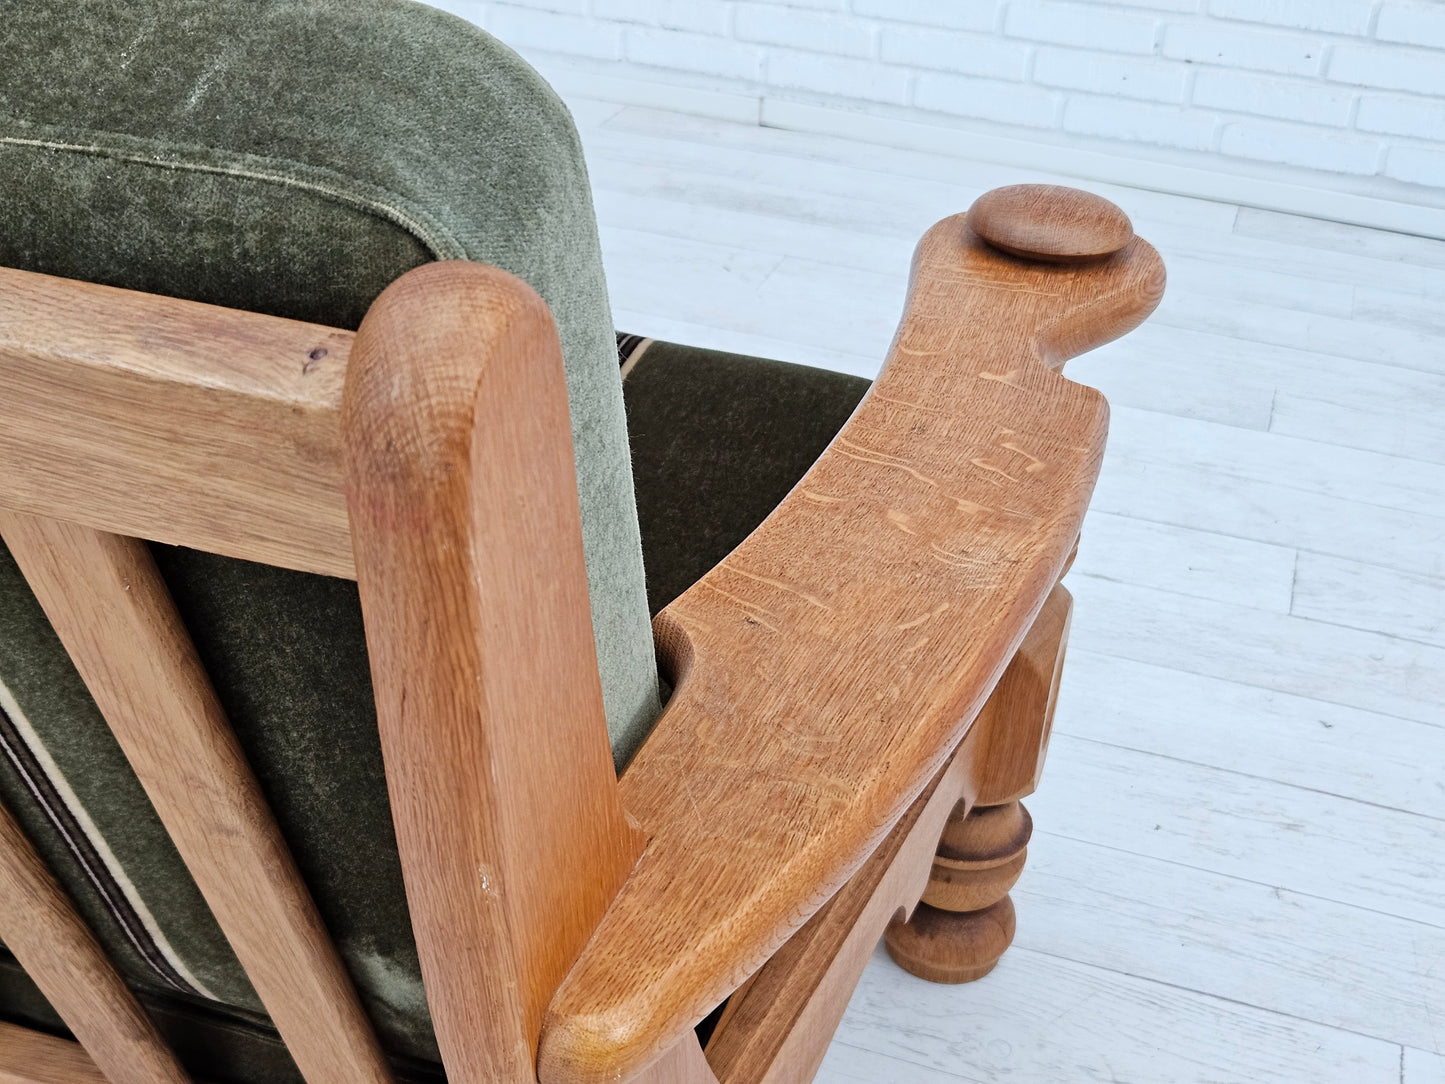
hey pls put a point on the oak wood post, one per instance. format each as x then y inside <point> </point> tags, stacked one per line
<point>777,1027</point>
<point>467,535</point>
<point>966,919</point>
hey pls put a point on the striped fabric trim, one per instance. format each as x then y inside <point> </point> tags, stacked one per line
<point>42,777</point>
<point>629,351</point>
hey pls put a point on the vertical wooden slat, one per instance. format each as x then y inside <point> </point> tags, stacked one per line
<point>40,926</point>
<point>113,613</point>
<point>468,540</point>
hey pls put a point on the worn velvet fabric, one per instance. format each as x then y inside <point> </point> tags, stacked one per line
<point>290,157</point>
<point>717,441</point>
<point>293,157</point>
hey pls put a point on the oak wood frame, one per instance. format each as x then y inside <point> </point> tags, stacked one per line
<point>827,672</point>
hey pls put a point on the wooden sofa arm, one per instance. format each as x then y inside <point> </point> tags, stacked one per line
<point>827,668</point>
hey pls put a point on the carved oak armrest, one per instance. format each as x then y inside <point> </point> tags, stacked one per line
<point>827,668</point>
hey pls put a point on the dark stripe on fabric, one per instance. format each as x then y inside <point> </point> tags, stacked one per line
<point>626,345</point>
<point>43,790</point>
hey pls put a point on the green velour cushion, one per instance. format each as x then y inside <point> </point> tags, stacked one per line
<point>290,157</point>
<point>293,157</point>
<point>717,441</point>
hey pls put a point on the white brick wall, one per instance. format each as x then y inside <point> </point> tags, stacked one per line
<point>1348,92</point>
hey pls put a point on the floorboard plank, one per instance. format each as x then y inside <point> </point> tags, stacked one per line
<point>1379,759</point>
<point>1040,1018</point>
<point>1310,466</point>
<point>1367,670</point>
<point>1191,562</point>
<point>1421,1067</point>
<point>1340,237</point>
<point>1239,826</point>
<point>1271,511</point>
<point>1253,944</point>
<point>1360,596</point>
<point>1407,348</point>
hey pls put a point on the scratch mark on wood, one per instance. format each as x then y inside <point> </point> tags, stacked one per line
<point>912,405</point>
<point>966,505</point>
<point>888,461</point>
<point>1005,378</point>
<point>958,560</point>
<point>902,520</point>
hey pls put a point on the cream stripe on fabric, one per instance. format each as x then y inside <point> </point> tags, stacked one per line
<point>634,357</point>
<point>52,771</point>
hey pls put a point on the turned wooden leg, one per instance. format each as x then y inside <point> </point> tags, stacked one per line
<point>966,919</point>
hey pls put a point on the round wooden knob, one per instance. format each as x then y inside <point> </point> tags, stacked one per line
<point>1050,222</point>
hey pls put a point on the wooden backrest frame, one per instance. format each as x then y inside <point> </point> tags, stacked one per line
<point>464,514</point>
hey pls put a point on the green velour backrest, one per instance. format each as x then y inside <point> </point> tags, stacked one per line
<point>290,157</point>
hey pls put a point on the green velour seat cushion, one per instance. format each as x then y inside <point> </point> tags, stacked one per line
<point>718,440</point>
<point>290,157</point>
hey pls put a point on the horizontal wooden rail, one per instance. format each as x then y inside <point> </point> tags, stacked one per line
<point>175,421</point>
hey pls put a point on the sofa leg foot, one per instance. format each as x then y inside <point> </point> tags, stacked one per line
<point>966,919</point>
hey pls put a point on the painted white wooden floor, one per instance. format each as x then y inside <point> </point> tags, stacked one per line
<point>1238,872</point>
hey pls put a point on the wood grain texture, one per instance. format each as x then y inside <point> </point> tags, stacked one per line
<point>980,855</point>
<point>175,421</point>
<point>952,947</point>
<point>830,664</point>
<point>777,1027</point>
<point>1048,222</point>
<point>463,500</point>
<point>55,947</point>
<point>110,607</point>
<point>32,1057</point>
<point>966,919</point>
<point>1013,727</point>
<point>685,1063</point>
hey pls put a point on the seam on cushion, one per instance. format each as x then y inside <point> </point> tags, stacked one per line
<point>173,970</point>
<point>431,234</point>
